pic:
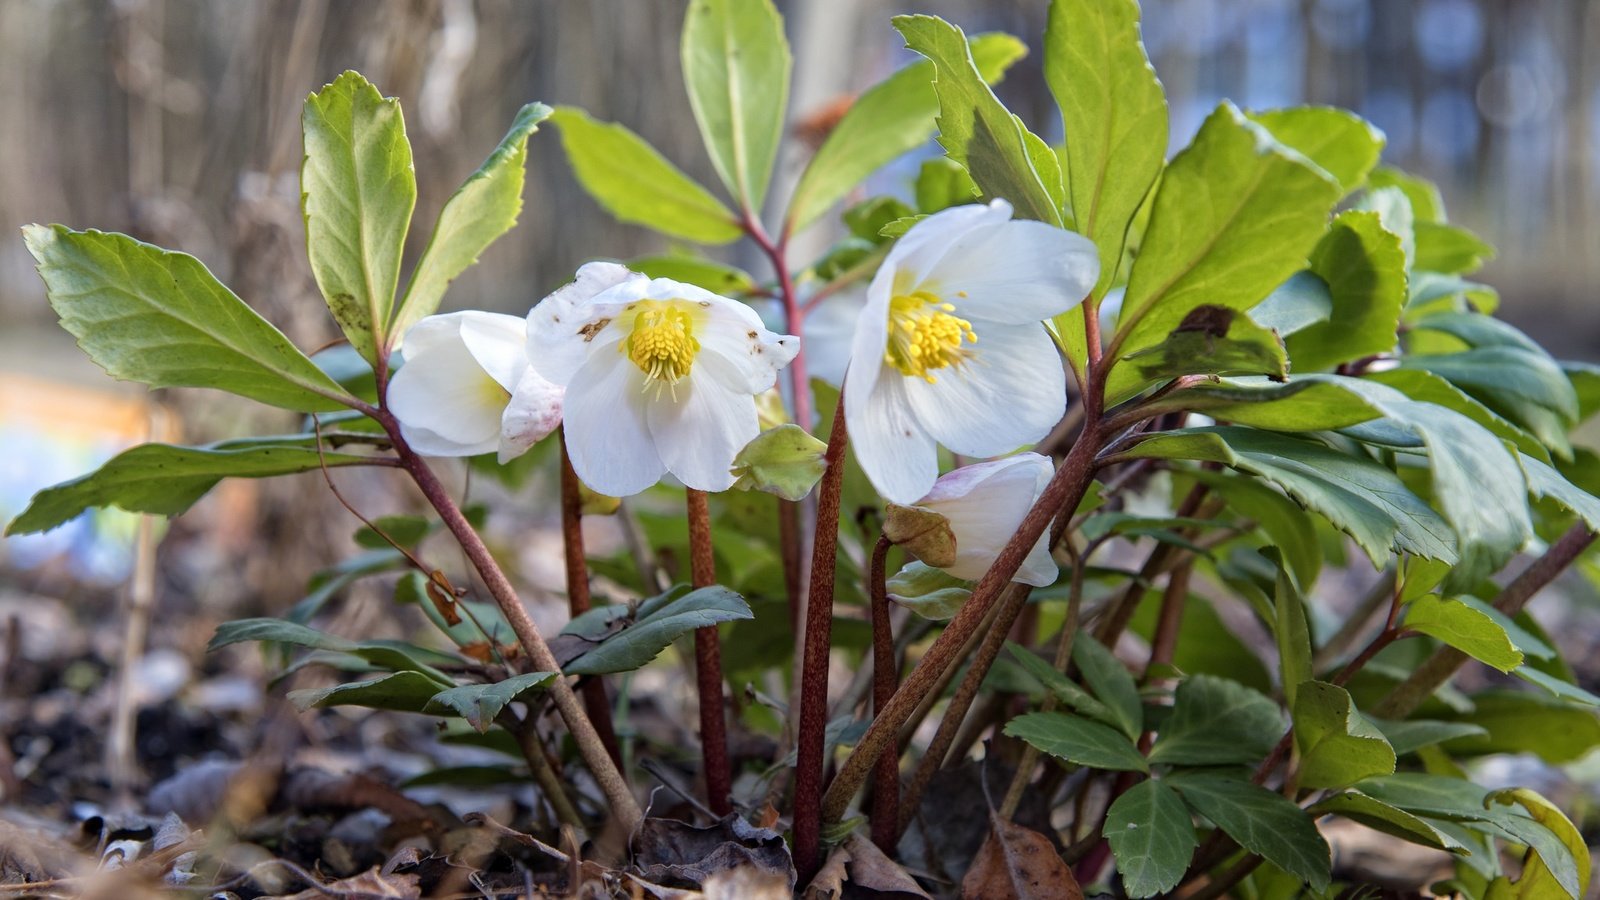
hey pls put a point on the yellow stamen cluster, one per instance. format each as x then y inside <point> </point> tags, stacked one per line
<point>662,343</point>
<point>923,335</point>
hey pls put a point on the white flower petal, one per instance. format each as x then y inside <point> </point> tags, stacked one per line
<point>738,349</point>
<point>871,339</point>
<point>985,503</point>
<point>534,412</point>
<point>922,248</point>
<point>1015,272</point>
<point>898,456</point>
<point>605,429</point>
<point>443,396</point>
<point>1012,393</point>
<point>701,430</point>
<point>830,330</point>
<point>565,327</point>
<point>498,342</point>
<point>1038,568</point>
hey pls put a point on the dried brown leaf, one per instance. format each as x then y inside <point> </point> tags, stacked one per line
<point>861,864</point>
<point>368,885</point>
<point>1018,863</point>
<point>668,849</point>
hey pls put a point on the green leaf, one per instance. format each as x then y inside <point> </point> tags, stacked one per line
<point>1297,304</point>
<point>1547,870</point>
<point>1557,687</point>
<point>407,531</point>
<point>1152,838</point>
<point>1435,796</point>
<point>1446,248</point>
<point>1293,637</point>
<point>1430,388</point>
<point>785,460</point>
<point>1111,682</point>
<point>1391,820</point>
<point>891,119</point>
<point>483,208</point>
<point>1464,628</point>
<point>1523,722</point>
<point>1235,215</point>
<point>160,318</point>
<point>1360,497</point>
<point>163,480</point>
<point>1338,746</point>
<point>402,692</point>
<point>636,184</point>
<point>389,654</point>
<point>1078,740</point>
<point>736,66</point>
<point>1115,116</point>
<point>1065,689</point>
<point>1426,203</point>
<point>1263,822</point>
<point>357,191</point>
<point>930,593</point>
<point>1217,722</point>
<point>1394,211</point>
<point>1411,736</point>
<point>975,129</point>
<point>479,704</point>
<point>1365,271</point>
<point>1342,143</point>
<point>1213,340</point>
<point>716,277</point>
<point>640,642</point>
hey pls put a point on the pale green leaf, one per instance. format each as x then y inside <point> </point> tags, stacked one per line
<point>889,120</point>
<point>716,277</point>
<point>1338,746</point>
<point>1213,340</point>
<point>483,208</point>
<point>1078,740</point>
<point>1411,736</point>
<point>1426,203</point>
<point>636,184</point>
<point>1464,628</point>
<point>1297,304</point>
<point>1152,837</point>
<point>1550,871</point>
<point>930,593</point>
<point>736,66</point>
<point>1293,636</point>
<point>1364,269</point>
<point>975,129</point>
<point>1235,215</point>
<point>785,460</point>
<point>1342,143</point>
<point>160,318</point>
<point>1393,209</point>
<point>1446,248</point>
<point>164,480</point>
<point>357,191</point>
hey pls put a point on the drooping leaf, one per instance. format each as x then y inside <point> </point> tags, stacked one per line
<point>1380,816</point>
<point>389,654</point>
<point>736,66</point>
<point>889,120</point>
<point>1464,628</point>
<point>401,691</point>
<point>1338,746</point>
<point>1151,836</point>
<point>1279,518</point>
<point>1558,687</point>
<point>785,460</point>
<point>1449,249</point>
<point>1410,736</point>
<point>1262,821</point>
<point>1213,340</point>
<point>1111,682</point>
<point>357,191</point>
<point>160,318</point>
<point>1557,730</point>
<point>1364,269</point>
<point>1430,388</point>
<point>1360,497</point>
<point>1078,740</point>
<point>636,184</point>
<point>975,129</point>
<point>164,480</point>
<point>1435,796</point>
<point>1293,636</point>
<point>483,208</point>
<point>1235,215</point>
<point>1544,871</point>
<point>479,704</point>
<point>930,593</point>
<point>1217,722</point>
<point>640,642</point>
<point>1342,143</point>
<point>1065,689</point>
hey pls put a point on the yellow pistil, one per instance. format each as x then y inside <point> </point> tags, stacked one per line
<point>662,343</point>
<point>923,335</point>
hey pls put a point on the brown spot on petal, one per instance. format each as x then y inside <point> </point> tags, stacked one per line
<point>593,328</point>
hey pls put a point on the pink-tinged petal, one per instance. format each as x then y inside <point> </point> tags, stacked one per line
<point>605,429</point>
<point>984,504</point>
<point>899,457</point>
<point>1015,272</point>
<point>699,430</point>
<point>1009,395</point>
<point>534,412</point>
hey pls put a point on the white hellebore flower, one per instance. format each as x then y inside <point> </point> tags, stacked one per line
<point>466,388</point>
<point>951,347</point>
<point>660,376</point>
<point>984,504</point>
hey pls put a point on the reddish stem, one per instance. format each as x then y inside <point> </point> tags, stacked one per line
<point>885,678</point>
<point>708,663</point>
<point>578,601</point>
<point>814,665</point>
<point>794,314</point>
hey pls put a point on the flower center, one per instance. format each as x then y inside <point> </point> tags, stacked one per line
<point>662,344</point>
<point>923,335</point>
